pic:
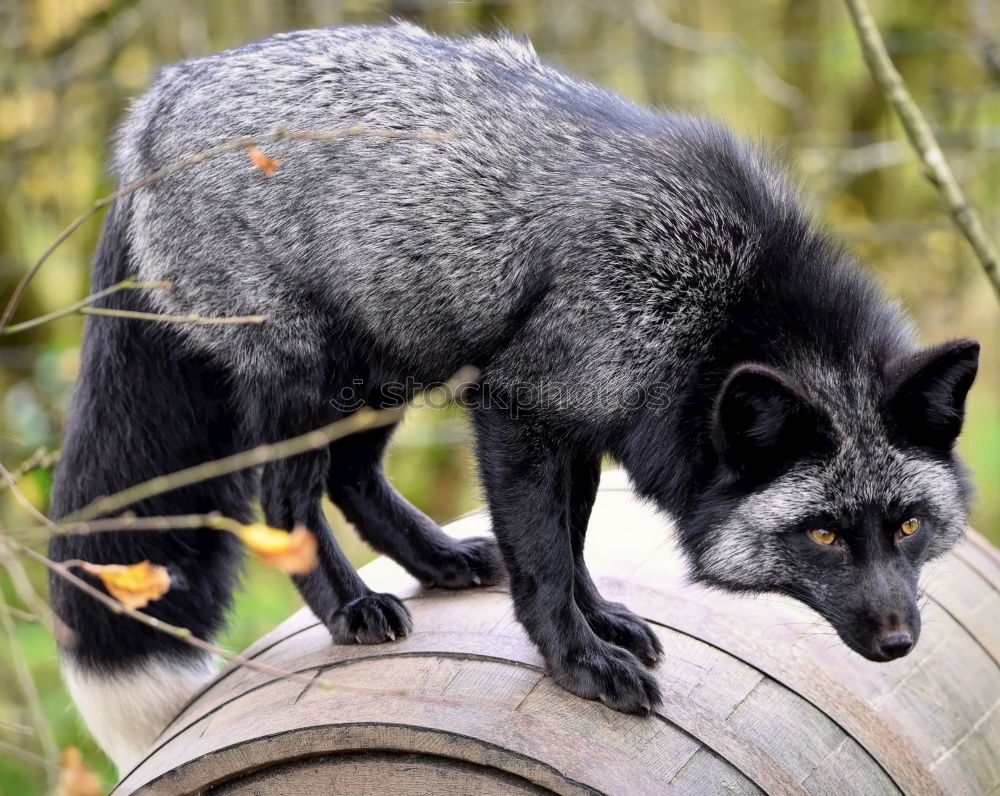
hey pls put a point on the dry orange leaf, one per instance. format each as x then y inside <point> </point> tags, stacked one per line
<point>75,778</point>
<point>293,553</point>
<point>267,165</point>
<point>132,585</point>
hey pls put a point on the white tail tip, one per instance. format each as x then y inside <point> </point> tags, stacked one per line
<point>127,710</point>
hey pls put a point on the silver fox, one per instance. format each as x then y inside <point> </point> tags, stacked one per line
<point>653,271</point>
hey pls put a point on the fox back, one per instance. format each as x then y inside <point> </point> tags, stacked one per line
<point>552,213</point>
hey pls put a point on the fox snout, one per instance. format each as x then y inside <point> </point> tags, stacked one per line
<point>886,625</point>
<point>893,640</point>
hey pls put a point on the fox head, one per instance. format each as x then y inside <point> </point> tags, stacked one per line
<point>835,488</point>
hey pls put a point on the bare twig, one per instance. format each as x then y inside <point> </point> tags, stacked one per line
<point>12,726</point>
<point>82,304</point>
<point>30,757</point>
<point>197,320</point>
<point>23,616</point>
<point>26,504</point>
<point>362,420</point>
<point>180,633</point>
<point>33,702</point>
<point>128,522</point>
<point>655,23</point>
<point>61,570</point>
<point>233,145</point>
<point>131,522</point>
<point>321,437</point>
<point>39,460</point>
<point>23,589</point>
<point>922,138</point>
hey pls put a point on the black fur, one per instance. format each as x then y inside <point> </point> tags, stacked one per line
<point>144,406</point>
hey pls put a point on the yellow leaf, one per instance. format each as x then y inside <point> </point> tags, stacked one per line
<point>267,165</point>
<point>134,585</point>
<point>293,553</point>
<point>75,778</point>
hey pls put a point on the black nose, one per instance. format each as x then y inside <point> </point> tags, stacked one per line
<point>895,644</point>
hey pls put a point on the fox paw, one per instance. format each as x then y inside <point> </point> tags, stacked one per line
<point>610,674</point>
<point>372,619</point>
<point>617,625</point>
<point>464,563</point>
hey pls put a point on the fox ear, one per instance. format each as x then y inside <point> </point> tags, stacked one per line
<point>926,397</point>
<point>762,421</point>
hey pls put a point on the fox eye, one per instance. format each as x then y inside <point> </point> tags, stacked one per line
<point>824,537</point>
<point>909,527</point>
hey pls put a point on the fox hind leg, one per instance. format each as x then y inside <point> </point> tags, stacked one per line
<point>291,495</point>
<point>359,487</point>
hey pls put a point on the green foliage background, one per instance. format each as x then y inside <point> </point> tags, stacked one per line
<point>788,71</point>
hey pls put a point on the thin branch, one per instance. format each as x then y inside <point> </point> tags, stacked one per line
<point>683,37</point>
<point>96,21</point>
<point>22,671</point>
<point>332,136</point>
<point>180,633</point>
<point>61,570</point>
<point>132,522</point>
<point>362,420</point>
<point>26,504</point>
<point>41,459</point>
<point>198,320</point>
<point>35,534</point>
<point>24,590</point>
<point>125,284</point>
<point>12,726</point>
<point>23,616</point>
<point>32,758</point>
<point>922,138</point>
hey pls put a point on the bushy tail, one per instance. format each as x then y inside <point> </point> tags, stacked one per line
<point>144,406</point>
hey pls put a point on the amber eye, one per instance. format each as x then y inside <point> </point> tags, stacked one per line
<point>909,527</point>
<point>823,537</point>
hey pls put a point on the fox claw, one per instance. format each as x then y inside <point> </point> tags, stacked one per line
<point>611,675</point>
<point>617,625</point>
<point>372,619</point>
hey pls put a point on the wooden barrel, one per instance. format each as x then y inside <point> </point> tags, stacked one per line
<point>759,695</point>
